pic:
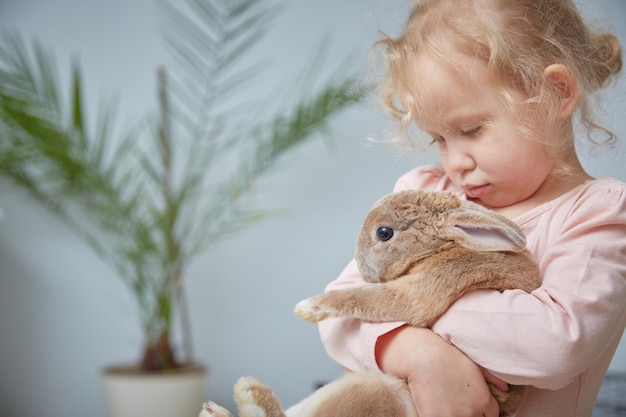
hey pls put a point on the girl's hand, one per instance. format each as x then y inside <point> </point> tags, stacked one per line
<point>443,382</point>
<point>494,380</point>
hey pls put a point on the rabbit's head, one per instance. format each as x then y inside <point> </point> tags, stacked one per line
<point>404,228</point>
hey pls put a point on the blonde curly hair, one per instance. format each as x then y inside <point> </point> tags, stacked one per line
<point>518,39</point>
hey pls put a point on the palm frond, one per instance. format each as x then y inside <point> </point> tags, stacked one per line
<point>152,198</point>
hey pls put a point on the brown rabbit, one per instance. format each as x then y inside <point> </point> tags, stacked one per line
<point>421,250</point>
<point>427,249</point>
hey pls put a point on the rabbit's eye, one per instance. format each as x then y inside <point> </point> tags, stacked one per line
<point>384,233</point>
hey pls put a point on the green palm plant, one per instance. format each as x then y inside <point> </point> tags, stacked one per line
<point>151,199</point>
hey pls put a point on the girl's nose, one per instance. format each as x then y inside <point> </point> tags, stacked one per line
<point>459,159</point>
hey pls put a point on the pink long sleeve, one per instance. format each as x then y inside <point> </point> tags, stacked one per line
<point>579,311</point>
<point>559,339</point>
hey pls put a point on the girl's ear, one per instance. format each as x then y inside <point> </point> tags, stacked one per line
<point>566,87</point>
<point>477,228</point>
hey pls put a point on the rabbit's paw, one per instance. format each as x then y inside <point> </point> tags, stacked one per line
<point>255,399</point>
<point>312,310</point>
<point>210,409</point>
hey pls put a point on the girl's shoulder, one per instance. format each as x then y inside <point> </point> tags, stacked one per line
<point>596,192</point>
<point>604,185</point>
<point>597,201</point>
<point>601,194</point>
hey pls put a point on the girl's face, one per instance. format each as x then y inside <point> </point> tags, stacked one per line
<point>481,144</point>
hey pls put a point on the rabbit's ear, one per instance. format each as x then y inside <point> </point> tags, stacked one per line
<point>477,228</point>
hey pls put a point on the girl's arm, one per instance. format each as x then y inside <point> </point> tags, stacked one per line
<point>548,337</point>
<point>442,380</point>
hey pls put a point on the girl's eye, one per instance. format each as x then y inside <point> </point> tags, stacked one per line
<point>472,132</point>
<point>384,233</point>
<point>438,139</point>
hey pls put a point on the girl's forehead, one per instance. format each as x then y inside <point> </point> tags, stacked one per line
<point>442,89</point>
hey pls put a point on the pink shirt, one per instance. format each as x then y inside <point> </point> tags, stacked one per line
<point>560,339</point>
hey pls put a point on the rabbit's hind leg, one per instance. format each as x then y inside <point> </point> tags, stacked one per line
<point>210,409</point>
<point>255,399</point>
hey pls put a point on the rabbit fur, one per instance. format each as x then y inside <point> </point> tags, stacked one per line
<point>419,251</point>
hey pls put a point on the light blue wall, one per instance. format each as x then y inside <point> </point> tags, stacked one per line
<point>63,313</point>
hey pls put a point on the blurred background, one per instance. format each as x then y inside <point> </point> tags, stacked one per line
<point>65,315</point>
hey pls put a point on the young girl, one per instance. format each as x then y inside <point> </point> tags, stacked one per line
<point>496,85</point>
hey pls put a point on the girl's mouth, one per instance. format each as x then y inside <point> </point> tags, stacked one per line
<point>476,191</point>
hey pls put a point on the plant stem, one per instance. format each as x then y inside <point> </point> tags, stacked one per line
<point>174,250</point>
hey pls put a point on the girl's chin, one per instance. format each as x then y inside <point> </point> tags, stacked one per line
<point>491,202</point>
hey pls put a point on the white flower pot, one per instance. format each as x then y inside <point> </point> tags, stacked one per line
<point>129,392</point>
